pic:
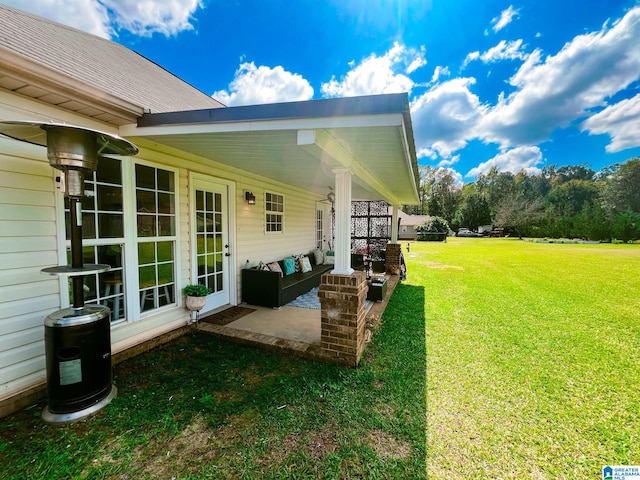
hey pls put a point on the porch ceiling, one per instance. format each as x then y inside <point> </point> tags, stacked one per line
<point>299,143</point>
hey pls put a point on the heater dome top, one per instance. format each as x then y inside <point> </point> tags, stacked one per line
<point>36,133</point>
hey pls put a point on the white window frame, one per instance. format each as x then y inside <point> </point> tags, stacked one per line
<point>267,212</point>
<point>130,244</point>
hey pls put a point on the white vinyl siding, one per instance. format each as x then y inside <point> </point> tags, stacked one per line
<point>28,243</point>
<point>32,238</point>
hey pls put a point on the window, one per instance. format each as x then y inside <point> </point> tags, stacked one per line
<point>121,195</point>
<point>319,228</point>
<point>103,236</point>
<point>156,232</point>
<point>274,212</point>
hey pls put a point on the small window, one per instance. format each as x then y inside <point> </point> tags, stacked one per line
<point>319,228</point>
<point>274,212</point>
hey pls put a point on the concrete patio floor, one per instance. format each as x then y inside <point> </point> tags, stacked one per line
<point>291,330</point>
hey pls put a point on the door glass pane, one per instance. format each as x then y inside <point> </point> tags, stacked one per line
<point>199,200</point>
<point>210,246</point>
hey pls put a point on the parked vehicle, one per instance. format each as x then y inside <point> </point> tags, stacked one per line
<point>465,232</point>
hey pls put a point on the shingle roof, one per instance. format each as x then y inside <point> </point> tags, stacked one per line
<point>97,62</point>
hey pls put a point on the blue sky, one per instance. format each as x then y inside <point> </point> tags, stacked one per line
<point>515,84</point>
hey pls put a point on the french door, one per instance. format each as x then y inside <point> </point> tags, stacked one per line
<point>210,240</point>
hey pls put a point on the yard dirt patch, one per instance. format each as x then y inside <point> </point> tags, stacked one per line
<point>387,446</point>
<point>440,266</point>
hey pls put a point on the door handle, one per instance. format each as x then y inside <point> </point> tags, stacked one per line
<point>227,254</point>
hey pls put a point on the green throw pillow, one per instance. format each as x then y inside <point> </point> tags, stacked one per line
<point>289,265</point>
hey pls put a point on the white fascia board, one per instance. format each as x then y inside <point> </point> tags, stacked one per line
<point>31,73</point>
<point>388,120</point>
<point>405,144</point>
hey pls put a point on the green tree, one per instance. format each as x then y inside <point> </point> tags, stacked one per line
<point>622,188</point>
<point>626,226</point>
<point>519,213</point>
<point>496,186</point>
<point>443,196</point>
<point>474,211</point>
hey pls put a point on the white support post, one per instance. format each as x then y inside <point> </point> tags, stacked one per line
<point>343,222</point>
<point>394,224</point>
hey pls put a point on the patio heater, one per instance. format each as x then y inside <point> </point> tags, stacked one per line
<point>78,338</point>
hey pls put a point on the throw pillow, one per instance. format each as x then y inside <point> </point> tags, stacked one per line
<point>262,266</point>
<point>297,262</point>
<point>329,258</point>
<point>275,267</point>
<point>305,264</point>
<point>318,256</point>
<point>289,265</point>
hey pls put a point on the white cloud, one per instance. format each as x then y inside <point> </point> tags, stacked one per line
<point>145,17</point>
<point>447,162</point>
<point>514,161</point>
<point>88,16</point>
<point>505,18</point>
<point>620,121</point>
<point>104,17</point>
<point>554,92</point>
<point>439,72</point>
<point>374,75</point>
<point>255,85</point>
<point>445,117</point>
<point>502,51</point>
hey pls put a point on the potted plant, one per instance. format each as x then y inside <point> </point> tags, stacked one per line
<point>196,296</point>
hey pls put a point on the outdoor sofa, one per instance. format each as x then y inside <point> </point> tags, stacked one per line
<point>272,289</point>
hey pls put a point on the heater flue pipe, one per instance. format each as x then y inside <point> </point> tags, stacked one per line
<point>75,212</point>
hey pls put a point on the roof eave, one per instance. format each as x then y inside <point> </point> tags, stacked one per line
<point>32,73</point>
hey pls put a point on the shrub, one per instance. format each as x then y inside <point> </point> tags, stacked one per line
<point>435,229</point>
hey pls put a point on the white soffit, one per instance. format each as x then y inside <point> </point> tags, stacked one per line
<point>297,150</point>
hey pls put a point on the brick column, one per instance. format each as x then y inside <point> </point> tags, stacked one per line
<point>342,301</point>
<point>392,259</point>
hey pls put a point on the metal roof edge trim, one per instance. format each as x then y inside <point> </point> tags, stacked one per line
<point>346,106</point>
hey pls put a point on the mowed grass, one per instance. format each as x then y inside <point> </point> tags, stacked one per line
<point>533,357</point>
<point>202,407</point>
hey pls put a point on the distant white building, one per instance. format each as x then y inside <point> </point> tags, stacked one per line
<point>407,225</point>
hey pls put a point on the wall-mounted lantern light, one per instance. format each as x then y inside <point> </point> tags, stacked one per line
<point>250,197</point>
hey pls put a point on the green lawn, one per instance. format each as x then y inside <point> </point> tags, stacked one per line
<point>533,357</point>
<point>532,371</point>
<point>201,407</point>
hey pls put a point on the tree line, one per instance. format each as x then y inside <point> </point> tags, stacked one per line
<point>569,201</point>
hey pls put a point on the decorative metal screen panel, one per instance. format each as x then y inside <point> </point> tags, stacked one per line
<point>370,228</point>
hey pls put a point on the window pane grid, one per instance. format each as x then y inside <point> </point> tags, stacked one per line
<point>156,224</point>
<point>209,248</point>
<point>102,206</point>
<point>274,212</point>
<point>105,288</point>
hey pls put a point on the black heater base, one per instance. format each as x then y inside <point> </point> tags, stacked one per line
<point>50,417</point>
<point>78,358</point>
